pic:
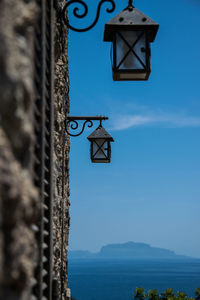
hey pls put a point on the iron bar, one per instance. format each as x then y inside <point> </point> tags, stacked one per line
<point>43,150</point>
<point>70,118</point>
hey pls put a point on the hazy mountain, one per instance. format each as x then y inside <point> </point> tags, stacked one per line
<point>129,251</point>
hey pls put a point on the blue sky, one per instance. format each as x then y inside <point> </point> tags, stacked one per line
<point>151,190</point>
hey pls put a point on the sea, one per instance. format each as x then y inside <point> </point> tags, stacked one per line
<point>117,280</point>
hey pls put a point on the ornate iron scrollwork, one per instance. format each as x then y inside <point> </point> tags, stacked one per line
<point>72,123</point>
<point>79,15</point>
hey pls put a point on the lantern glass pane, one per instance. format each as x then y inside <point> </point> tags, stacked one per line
<point>130,52</point>
<point>100,149</point>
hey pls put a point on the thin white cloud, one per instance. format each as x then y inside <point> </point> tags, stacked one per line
<point>122,122</point>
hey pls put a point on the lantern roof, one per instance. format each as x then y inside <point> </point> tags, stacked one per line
<point>100,133</point>
<point>130,19</point>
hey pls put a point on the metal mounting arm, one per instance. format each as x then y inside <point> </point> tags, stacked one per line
<point>79,15</point>
<point>72,122</point>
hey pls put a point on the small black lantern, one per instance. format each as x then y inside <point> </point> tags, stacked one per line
<point>100,149</point>
<point>131,33</point>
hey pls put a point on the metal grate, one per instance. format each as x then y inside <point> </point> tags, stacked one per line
<point>43,152</point>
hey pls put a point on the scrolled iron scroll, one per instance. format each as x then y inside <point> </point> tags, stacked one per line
<point>73,124</point>
<point>79,15</point>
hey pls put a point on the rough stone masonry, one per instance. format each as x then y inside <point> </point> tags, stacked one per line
<point>19,198</point>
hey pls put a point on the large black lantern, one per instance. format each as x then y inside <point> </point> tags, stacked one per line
<point>100,149</point>
<point>131,33</point>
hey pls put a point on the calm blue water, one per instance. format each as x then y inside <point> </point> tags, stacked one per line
<point>116,280</point>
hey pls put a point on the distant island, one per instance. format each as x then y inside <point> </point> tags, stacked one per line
<point>129,251</point>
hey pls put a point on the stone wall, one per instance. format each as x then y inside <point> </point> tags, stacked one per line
<point>19,199</point>
<point>18,196</point>
<point>62,147</point>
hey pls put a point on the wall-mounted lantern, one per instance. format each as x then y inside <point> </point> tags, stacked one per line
<point>100,148</point>
<point>131,33</point>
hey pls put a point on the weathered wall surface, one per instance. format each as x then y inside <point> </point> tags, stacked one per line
<point>19,199</point>
<point>18,196</point>
<point>62,147</point>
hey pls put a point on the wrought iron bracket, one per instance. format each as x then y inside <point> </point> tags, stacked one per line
<point>79,15</point>
<point>72,122</point>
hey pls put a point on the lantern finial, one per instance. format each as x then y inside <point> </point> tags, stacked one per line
<point>130,3</point>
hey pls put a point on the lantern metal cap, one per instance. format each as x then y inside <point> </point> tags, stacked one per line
<point>100,133</point>
<point>130,19</point>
